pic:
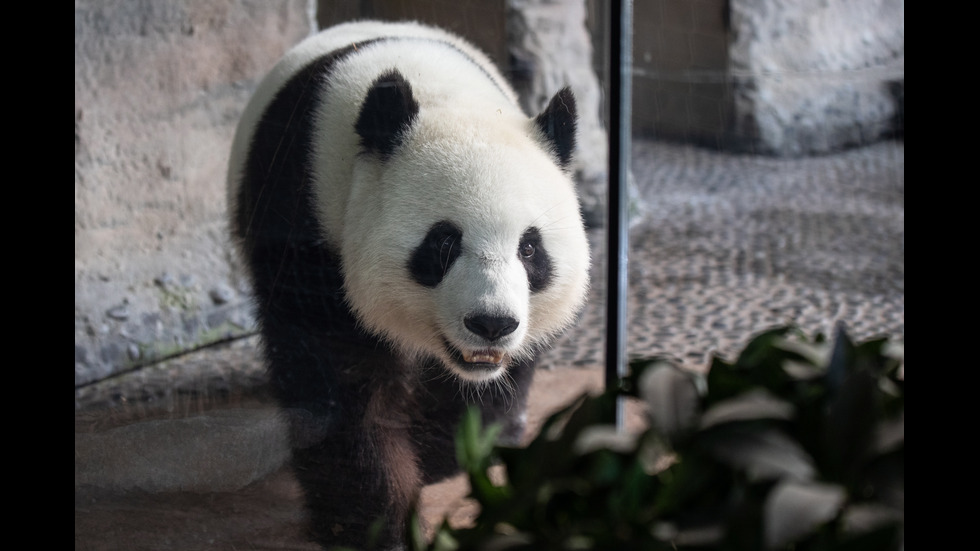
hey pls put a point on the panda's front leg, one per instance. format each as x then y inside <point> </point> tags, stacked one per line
<point>506,402</point>
<point>442,403</point>
<point>363,474</point>
<point>346,401</point>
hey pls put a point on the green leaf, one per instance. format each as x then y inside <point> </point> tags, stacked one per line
<point>795,510</point>
<point>761,347</point>
<point>474,450</point>
<point>672,399</point>
<point>690,482</point>
<point>849,429</point>
<point>762,453</point>
<point>865,517</point>
<point>725,381</point>
<point>604,437</point>
<point>474,445</point>
<point>811,353</point>
<point>841,363</point>
<point>754,405</point>
<point>889,435</point>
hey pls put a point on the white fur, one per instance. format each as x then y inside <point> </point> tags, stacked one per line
<point>337,37</point>
<point>473,158</point>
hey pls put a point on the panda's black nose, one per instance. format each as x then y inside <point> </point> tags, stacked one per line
<point>491,327</point>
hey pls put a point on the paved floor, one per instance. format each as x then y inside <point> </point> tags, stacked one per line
<point>187,454</point>
<point>728,245</point>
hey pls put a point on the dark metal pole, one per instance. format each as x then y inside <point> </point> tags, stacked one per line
<point>617,221</point>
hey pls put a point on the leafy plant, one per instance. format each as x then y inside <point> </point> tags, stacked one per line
<point>797,444</point>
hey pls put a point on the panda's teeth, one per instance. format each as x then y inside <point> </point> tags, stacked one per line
<point>483,357</point>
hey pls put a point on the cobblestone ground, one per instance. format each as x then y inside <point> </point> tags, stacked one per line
<point>729,245</point>
<point>725,246</point>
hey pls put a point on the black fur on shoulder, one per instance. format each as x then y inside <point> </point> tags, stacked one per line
<point>389,109</point>
<point>557,123</point>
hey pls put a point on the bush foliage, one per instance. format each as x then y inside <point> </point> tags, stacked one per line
<point>797,444</point>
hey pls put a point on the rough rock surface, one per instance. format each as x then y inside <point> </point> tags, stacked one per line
<point>159,87</point>
<point>817,77</point>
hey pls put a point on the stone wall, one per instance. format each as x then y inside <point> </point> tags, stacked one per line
<point>775,77</point>
<point>159,86</point>
<point>817,77</point>
<point>681,86</point>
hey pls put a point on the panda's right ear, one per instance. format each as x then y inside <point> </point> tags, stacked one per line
<point>388,110</point>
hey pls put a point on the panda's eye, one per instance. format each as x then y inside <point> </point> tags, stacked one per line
<point>446,252</point>
<point>533,254</point>
<point>434,256</point>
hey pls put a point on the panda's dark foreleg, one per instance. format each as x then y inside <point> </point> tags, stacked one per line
<point>507,403</point>
<point>343,491</point>
<point>348,408</point>
<point>345,497</point>
<point>443,401</point>
<point>328,377</point>
<point>434,429</point>
<point>353,480</point>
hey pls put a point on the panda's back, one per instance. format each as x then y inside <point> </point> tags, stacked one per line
<point>346,37</point>
<point>321,83</point>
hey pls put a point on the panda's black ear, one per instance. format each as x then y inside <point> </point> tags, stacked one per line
<point>557,124</point>
<point>389,109</point>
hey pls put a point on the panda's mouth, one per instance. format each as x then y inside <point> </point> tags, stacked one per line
<point>487,356</point>
<point>479,360</point>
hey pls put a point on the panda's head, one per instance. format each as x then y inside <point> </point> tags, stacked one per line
<point>463,240</point>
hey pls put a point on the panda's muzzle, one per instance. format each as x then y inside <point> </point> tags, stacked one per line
<point>484,360</point>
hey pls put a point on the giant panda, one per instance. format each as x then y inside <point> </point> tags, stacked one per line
<point>413,241</point>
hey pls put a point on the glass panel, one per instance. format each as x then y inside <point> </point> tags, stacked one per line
<point>766,187</point>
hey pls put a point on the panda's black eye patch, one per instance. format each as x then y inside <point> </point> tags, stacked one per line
<point>434,256</point>
<point>536,261</point>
